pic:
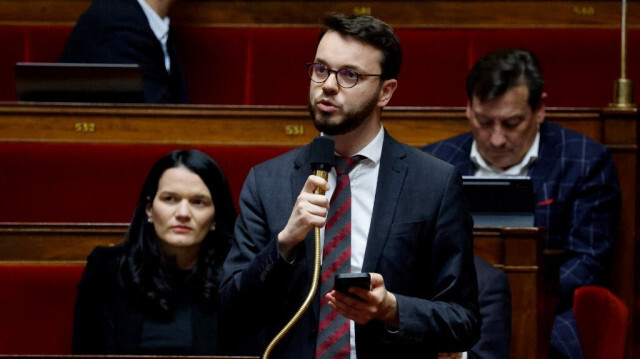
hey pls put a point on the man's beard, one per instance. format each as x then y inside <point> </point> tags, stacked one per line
<point>351,120</point>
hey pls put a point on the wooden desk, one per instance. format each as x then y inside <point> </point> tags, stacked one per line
<point>518,251</point>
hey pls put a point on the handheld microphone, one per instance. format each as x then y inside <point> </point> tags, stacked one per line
<point>322,158</point>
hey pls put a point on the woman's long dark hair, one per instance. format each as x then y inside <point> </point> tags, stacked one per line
<point>146,277</point>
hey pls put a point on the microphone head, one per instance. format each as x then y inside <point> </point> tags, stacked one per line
<point>322,153</point>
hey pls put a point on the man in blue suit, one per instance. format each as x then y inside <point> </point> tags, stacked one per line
<point>131,32</point>
<point>410,225</point>
<point>574,178</point>
<point>494,299</point>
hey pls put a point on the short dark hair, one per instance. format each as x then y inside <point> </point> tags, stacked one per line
<point>498,71</point>
<point>372,31</point>
<point>144,273</point>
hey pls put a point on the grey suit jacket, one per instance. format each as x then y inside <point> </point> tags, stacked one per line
<point>420,240</point>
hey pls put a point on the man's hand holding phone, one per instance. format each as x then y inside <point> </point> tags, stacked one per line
<point>368,299</point>
<point>344,281</point>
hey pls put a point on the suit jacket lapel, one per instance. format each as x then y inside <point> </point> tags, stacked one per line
<point>467,168</point>
<point>464,163</point>
<point>393,169</point>
<point>547,156</point>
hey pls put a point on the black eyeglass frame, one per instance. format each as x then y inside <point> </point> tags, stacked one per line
<point>329,71</point>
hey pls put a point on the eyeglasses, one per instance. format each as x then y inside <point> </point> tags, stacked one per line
<point>346,78</point>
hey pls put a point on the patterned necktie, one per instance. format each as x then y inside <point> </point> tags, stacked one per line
<point>333,330</point>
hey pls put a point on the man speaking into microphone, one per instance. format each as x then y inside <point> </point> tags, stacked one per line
<point>389,210</point>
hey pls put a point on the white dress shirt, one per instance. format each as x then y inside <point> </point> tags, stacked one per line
<point>483,169</point>
<point>364,180</point>
<point>160,27</point>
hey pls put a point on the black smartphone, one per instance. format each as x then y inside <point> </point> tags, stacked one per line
<point>343,281</point>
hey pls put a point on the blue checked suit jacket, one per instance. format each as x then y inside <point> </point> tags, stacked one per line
<point>577,195</point>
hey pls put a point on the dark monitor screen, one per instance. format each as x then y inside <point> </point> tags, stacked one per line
<point>500,201</point>
<point>66,82</point>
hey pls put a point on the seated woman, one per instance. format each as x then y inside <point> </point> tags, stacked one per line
<point>156,292</point>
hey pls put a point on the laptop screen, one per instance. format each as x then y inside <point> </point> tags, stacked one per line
<point>500,201</point>
<point>66,82</point>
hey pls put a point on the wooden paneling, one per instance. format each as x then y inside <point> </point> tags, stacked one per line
<point>56,242</point>
<point>426,14</point>
<point>518,251</point>
<point>235,125</point>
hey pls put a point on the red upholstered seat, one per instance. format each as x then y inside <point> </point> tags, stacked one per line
<point>278,65</point>
<point>602,322</point>
<point>36,307</point>
<point>45,43</point>
<point>79,182</point>
<point>434,68</point>
<point>580,65</point>
<point>12,40</point>
<point>265,65</point>
<point>214,62</point>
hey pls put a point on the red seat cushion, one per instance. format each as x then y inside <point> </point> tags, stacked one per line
<point>434,68</point>
<point>13,44</point>
<point>266,66</point>
<point>45,43</point>
<point>36,307</point>
<point>278,65</point>
<point>67,182</point>
<point>214,62</point>
<point>602,320</point>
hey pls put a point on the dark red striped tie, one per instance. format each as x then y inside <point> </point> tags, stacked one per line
<point>333,330</point>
